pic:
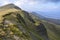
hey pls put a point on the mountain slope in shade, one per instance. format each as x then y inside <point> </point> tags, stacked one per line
<point>53,29</point>
<point>17,24</point>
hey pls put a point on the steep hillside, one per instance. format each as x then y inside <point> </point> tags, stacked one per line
<point>17,24</point>
<point>53,29</point>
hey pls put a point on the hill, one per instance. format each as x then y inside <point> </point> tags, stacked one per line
<point>17,24</point>
<point>53,28</point>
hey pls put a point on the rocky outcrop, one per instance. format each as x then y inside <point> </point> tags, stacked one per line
<point>42,31</point>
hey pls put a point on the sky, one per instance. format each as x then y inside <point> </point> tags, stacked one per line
<point>50,8</point>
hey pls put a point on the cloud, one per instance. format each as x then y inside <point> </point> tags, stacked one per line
<point>25,2</point>
<point>4,2</point>
<point>54,0</point>
<point>34,5</point>
<point>48,0</point>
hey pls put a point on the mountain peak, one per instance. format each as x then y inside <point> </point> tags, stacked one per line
<point>9,6</point>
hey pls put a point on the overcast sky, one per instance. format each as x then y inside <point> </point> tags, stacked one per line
<point>52,6</point>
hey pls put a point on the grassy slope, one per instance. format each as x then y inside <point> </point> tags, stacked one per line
<point>53,30</point>
<point>15,23</point>
<point>6,11</point>
<point>22,22</point>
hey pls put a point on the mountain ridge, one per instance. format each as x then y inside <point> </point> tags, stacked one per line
<point>9,6</point>
<point>21,25</point>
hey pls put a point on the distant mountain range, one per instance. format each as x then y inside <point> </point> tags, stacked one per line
<point>56,21</point>
<point>17,24</point>
<point>50,14</point>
